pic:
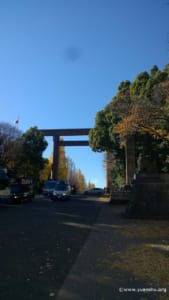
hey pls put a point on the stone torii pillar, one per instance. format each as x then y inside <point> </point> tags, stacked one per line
<point>55,161</point>
<point>56,134</point>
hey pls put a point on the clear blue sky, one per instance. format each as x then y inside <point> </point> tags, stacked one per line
<point>61,61</point>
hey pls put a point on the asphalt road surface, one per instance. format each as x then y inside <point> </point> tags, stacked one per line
<point>39,243</point>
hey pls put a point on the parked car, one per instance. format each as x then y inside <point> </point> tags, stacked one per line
<point>94,191</point>
<point>61,192</point>
<point>17,193</point>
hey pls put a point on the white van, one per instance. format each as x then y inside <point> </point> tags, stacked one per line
<point>49,186</point>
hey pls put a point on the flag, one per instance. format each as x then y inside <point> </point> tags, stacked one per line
<point>16,121</point>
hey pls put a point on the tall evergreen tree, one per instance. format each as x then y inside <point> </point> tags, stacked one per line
<point>140,108</point>
<point>33,146</point>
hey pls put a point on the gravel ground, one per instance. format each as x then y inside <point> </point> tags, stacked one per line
<point>144,251</point>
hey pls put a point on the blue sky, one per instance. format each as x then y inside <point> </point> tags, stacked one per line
<point>61,61</point>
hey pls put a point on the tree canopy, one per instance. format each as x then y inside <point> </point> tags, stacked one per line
<point>22,155</point>
<point>149,112</point>
<point>10,145</point>
<point>34,144</point>
<point>66,171</point>
<point>141,109</point>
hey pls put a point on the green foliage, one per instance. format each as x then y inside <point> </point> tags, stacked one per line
<point>99,138</point>
<point>21,154</point>
<point>139,84</point>
<point>140,108</point>
<point>34,143</point>
<point>154,150</point>
<point>124,86</point>
<point>10,146</point>
<point>117,174</point>
<point>102,137</point>
<point>154,71</point>
<point>33,146</point>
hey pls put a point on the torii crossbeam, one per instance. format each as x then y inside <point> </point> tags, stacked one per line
<point>56,134</point>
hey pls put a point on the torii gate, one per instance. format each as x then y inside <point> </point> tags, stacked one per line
<point>56,134</point>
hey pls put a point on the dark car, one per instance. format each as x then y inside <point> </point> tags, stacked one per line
<point>17,193</point>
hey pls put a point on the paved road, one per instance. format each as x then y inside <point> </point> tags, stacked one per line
<point>39,243</point>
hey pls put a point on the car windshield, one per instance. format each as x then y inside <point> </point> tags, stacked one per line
<point>60,187</point>
<point>50,184</point>
<point>15,188</point>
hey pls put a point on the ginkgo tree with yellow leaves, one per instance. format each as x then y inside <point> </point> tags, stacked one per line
<point>66,171</point>
<point>62,167</point>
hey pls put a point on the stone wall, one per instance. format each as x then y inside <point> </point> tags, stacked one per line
<point>149,196</point>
